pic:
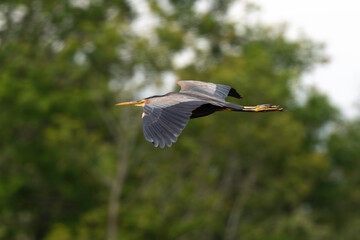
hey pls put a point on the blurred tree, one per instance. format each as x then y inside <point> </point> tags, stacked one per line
<point>68,157</point>
<point>339,198</point>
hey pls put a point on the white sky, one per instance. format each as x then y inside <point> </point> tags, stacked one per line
<point>335,23</point>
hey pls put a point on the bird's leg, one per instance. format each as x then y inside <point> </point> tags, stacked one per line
<point>262,108</point>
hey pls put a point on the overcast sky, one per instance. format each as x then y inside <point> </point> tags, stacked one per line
<point>337,24</point>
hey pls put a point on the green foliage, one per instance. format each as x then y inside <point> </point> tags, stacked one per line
<point>64,64</point>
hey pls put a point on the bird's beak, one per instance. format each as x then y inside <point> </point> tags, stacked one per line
<point>136,103</point>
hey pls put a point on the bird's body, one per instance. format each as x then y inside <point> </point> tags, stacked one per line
<point>165,116</point>
<point>205,108</point>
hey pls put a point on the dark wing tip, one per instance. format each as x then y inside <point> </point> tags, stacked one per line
<point>234,93</point>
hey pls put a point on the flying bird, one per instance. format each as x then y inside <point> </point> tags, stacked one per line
<point>165,116</point>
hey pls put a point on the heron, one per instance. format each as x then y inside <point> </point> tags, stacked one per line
<point>165,116</point>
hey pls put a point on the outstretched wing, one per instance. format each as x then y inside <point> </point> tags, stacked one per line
<point>215,90</point>
<point>164,121</point>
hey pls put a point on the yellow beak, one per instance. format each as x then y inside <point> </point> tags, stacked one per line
<point>136,103</point>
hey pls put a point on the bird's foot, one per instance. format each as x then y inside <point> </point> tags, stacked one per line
<point>268,107</point>
<point>263,108</point>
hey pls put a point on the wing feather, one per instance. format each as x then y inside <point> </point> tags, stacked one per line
<point>147,133</point>
<point>167,135</point>
<point>164,122</point>
<point>174,126</point>
<point>216,90</point>
<point>160,133</point>
<point>170,137</point>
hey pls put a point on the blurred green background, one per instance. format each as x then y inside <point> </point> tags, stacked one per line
<point>74,166</point>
